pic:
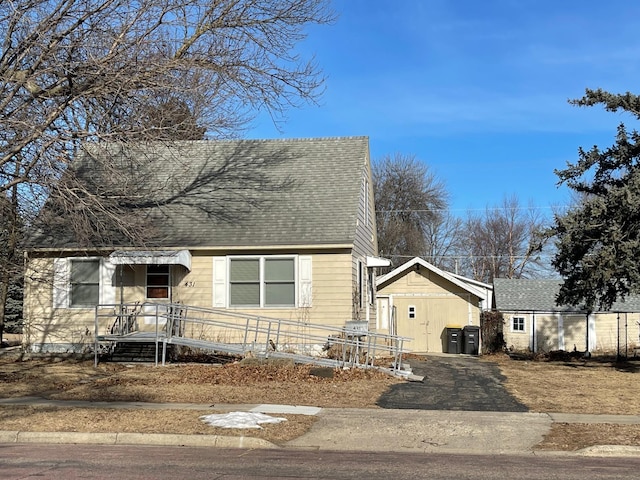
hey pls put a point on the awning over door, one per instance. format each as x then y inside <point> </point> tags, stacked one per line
<point>152,257</point>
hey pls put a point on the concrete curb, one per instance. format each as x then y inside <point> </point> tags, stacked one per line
<point>591,419</point>
<point>8,436</point>
<point>609,451</point>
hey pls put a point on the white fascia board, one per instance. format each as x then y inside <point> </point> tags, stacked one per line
<point>377,262</point>
<point>152,257</point>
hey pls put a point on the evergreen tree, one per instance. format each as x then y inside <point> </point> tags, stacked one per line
<point>598,240</point>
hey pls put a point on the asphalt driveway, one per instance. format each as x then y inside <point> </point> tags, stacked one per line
<point>453,382</point>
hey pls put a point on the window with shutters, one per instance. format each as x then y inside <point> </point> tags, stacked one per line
<point>85,283</point>
<point>262,282</point>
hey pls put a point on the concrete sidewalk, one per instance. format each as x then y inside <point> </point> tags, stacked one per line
<point>398,430</point>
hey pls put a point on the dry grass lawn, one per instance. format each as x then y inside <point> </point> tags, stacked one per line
<point>594,386</point>
<point>577,386</point>
<point>237,383</point>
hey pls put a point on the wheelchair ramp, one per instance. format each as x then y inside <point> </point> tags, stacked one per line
<point>224,332</point>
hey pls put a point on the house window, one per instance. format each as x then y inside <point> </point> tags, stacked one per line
<point>157,281</point>
<point>85,283</point>
<point>279,282</point>
<point>412,311</point>
<point>517,324</point>
<point>262,282</point>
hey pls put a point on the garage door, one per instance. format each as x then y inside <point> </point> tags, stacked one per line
<point>424,319</point>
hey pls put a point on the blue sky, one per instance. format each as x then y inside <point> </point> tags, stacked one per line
<point>477,90</point>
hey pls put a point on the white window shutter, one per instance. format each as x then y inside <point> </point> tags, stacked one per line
<point>61,286</point>
<point>304,285</point>
<point>107,282</point>
<point>220,282</point>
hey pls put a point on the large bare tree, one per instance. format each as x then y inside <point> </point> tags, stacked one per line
<point>410,204</point>
<point>80,71</point>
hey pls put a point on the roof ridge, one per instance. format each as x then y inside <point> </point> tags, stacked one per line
<point>230,141</point>
<point>289,139</point>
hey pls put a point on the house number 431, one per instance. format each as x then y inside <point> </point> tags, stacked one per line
<point>189,284</point>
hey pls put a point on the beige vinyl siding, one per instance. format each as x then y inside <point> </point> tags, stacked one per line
<point>365,240</point>
<point>547,333</point>
<point>196,287</point>
<point>517,340</point>
<point>420,282</point>
<point>365,244</point>
<point>608,327</point>
<point>575,333</point>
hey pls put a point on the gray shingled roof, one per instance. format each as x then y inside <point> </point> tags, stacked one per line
<point>247,192</point>
<point>539,295</point>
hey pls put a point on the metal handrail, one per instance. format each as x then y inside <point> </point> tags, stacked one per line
<point>258,334</point>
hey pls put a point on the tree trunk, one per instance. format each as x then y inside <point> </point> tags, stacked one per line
<point>4,291</point>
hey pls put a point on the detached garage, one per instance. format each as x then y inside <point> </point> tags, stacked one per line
<point>420,301</point>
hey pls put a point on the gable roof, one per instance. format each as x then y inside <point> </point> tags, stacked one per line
<point>464,283</point>
<point>520,294</point>
<point>249,193</point>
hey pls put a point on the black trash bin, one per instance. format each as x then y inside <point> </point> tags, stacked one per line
<point>454,340</point>
<point>471,339</point>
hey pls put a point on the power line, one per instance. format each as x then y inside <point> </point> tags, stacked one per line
<point>431,210</point>
<point>473,257</point>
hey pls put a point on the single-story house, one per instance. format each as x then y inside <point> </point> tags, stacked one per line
<point>278,228</point>
<point>535,323</point>
<point>421,301</point>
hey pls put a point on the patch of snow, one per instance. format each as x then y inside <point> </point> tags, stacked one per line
<point>240,420</point>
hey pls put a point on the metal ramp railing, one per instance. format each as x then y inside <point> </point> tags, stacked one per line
<point>225,331</point>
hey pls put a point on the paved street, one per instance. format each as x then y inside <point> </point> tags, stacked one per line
<point>136,462</point>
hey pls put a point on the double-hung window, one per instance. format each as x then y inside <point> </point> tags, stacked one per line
<point>85,283</point>
<point>244,282</point>
<point>262,282</point>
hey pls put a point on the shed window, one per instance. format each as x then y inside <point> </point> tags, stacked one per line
<point>517,324</point>
<point>85,283</point>
<point>157,281</point>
